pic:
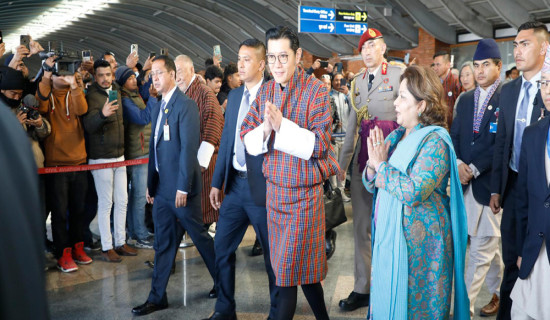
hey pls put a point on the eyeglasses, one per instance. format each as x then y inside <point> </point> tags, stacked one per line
<point>158,73</point>
<point>283,58</point>
<point>544,84</point>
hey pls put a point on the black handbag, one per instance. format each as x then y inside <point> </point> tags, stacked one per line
<point>335,214</point>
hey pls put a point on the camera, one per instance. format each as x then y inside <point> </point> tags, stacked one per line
<point>32,114</point>
<point>66,61</point>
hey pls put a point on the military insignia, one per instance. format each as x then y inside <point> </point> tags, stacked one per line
<point>372,33</point>
<point>386,80</point>
<point>384,68</point>
<point>385,88</point>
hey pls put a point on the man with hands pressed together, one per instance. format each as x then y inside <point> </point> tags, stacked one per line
<point>174,181</point>
<point>290,122</point>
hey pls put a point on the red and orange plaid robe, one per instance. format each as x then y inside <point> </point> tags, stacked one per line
<point>296,212</point>
<point>211,127</point>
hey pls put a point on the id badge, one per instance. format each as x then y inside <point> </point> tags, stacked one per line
<point>166,132</point>
<point>493,127</point>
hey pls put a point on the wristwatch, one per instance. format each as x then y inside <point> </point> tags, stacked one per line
<point>47,68</point>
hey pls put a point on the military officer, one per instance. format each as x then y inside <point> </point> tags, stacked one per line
<point>372,94</point>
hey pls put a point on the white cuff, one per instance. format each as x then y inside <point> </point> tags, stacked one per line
<point>474,170</point>
<point>459,162</point>
<point>254,141</point>
<point>182,192</point>
<point>206,150</point>
<point>294,140</point>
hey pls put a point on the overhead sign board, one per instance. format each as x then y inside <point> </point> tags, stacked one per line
<point>332,21</point>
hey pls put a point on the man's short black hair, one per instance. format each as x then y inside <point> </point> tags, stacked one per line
<point>508,72</point>
<point>100,63</point>
<point>230,69</point>
<point>108,53</point>
<point>513,68</point>
<point>536,25</point>
<point>445,55</point>
<point>254,43</point>
<point>213,72</point>
<point>168,62</point>
<point>283,32</point>
<point>208,62</point>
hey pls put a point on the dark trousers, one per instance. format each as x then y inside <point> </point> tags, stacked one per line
<point>236,212</point>
<point>169,225</point>
<point>66,194</point>
<point>510,251</point>
<point>91,209</point>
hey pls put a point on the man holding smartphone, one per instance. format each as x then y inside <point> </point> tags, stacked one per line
<point>104,125</point>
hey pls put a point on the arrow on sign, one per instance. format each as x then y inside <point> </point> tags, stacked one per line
<point>331,27</point>
<point>331,15</point>
<point>364,17</point>
<point>364,28</point>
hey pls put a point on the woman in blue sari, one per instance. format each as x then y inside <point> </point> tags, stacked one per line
<point>419,232</point>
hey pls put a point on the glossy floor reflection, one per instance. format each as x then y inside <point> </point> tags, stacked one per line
<point>105,290</point>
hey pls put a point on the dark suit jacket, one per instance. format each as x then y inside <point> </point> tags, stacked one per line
<point>533,196</point>
<point>224,164</point>
<point>178,165</point>
<point>476,148</point>
<point>505,132</point>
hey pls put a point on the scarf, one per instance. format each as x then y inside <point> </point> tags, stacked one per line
<point>478,114</point>
<point>389,258</point>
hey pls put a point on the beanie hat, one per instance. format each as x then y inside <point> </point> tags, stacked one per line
<point>487,49</point>
<point>122,74</point>
<point>11,79</point>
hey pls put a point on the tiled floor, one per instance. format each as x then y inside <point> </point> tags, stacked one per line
<point>104,290</point>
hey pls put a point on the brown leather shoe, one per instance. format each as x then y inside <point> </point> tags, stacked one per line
<point>491,308</point>
<point>126,250</point>
<point>111,256</point>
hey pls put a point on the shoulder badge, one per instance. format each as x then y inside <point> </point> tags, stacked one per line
<point>384,68</point>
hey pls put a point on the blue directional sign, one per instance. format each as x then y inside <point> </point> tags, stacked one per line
<point>332,21</point>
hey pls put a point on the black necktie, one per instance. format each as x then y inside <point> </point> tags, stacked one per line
<point>371,77</point>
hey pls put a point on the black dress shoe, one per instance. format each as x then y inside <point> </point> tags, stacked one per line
<point>147,308</point>
<point>213,294</point>
<point>221,316</point>
<point>257,249</point>
<point>354,301</point>
<point>151,265</point>
<point>330,243</point>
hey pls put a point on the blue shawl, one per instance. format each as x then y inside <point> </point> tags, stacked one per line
<point>390,280</point>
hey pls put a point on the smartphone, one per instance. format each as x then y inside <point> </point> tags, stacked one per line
<point>339,67</point>
<point>407,58</point>
<point>134,48</point>
<point>86,55</point>
<point>152,54</point>
<point>163,51</point>
<point>113,95</point>
<point>343,82</point>
<point>25,40</point>
<point>324,64</point>
<point>218,52</point>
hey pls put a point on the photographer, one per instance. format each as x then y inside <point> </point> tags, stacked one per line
<point>105,132</point>
<point>62,102</point>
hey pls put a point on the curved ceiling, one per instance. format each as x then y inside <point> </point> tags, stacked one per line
<point>193,27</point>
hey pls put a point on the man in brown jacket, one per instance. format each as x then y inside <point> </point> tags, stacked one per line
<point>62,102</point>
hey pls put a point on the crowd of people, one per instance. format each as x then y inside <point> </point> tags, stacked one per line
<point>435,160</point>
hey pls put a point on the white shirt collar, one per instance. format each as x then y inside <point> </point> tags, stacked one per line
<point>533,80</point>
<point>375,70</point>
<point>254,91</point>
<point>166,97</point>
<point>190,82</point>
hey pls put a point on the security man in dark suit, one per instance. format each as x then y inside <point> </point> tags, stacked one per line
<point>520,105</point>
<point>173,182</point>
<point>245,200</point>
